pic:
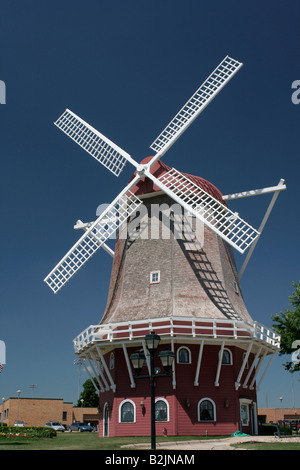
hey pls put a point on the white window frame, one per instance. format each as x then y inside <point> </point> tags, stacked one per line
<point>127,400</point>
<point>245,402</point>
<point>230,355</point>
<point>151,277</point>
<point>168,409</point>
<point>190,355</point>
<point>214,411</point>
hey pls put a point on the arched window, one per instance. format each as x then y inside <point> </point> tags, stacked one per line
<point>227,357</point>
<point>206,410</point>
<point>127,412</point>
<point>183,355</point>
<point>161,410</point>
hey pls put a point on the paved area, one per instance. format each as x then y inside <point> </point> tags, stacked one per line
<point>211,444</point>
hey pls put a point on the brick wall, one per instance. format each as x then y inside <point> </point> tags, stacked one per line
<point>271,415</point>
<point>37,411</point>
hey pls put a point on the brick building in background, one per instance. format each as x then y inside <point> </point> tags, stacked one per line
<point>38,411</point>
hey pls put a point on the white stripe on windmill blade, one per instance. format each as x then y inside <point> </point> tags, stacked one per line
<point>210,211</point>
<point>92,141</point>
<point>85,225</point>
<point>195,105</point>
<point>126,203</point>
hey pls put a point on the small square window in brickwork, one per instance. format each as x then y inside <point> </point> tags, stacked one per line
<point>154,277</point>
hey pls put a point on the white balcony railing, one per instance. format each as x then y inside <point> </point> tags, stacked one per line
<point>179,326</point>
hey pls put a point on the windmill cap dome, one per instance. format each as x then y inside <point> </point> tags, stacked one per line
<point>146,186</point>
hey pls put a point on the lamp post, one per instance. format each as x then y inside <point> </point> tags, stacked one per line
<point>152,341</point>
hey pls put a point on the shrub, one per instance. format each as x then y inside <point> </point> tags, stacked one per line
<point>267,429</point>
<point>271,429</point>
<point>27,431</point>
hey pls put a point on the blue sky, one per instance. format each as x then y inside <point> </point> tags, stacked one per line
<point>127,67</point>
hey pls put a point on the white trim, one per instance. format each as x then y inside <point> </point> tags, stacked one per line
<point>214,411</point>
<point>219,364</point>
<point>245,384</point>
<point>99,370</point>
<point>158,277</point>
<point>264,373</point>
<point>95,372</point>
<point>196,381</point>
<point>112,384</point>
<point>127,400</point>
<point>199,328</point>
<point>168,409</point>
<point>190,355</point>
<point>245,365</point>
<point>173,366</point>
<point>257,369</point>
<point>245,402</point>
<point>106,404</point>
<point>132,382</point>
<point>277,189</point>
<point>230,355</point>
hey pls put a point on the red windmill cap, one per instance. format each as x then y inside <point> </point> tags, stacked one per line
<point>146,186</point>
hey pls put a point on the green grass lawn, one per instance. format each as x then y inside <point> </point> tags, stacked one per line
<point>91,441</point>
<point>269,445</point>
<point>83,441</point>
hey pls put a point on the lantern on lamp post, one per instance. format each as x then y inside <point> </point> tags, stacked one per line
<point>152,341</point>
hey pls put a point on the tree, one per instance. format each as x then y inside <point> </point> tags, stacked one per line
<point>288,326</point>
<point>88,395</point>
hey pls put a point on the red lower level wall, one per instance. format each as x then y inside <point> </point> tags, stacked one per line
<point>182,400</point>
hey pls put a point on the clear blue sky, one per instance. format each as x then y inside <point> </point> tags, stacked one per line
<point>127,67</point>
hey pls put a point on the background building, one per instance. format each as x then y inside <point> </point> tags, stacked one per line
<point>272,415</point>
<point>37,411</point>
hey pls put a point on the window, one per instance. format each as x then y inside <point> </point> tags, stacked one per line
<point>227,357</point>
<point>64,416</point>
<point>183,356</point>
<point>127,412</point>
<point>161,410</point>
<point>154,277</point>
<point>206,410</point>
<point>112,360</point>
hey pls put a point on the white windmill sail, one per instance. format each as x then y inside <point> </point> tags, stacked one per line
<point>212,212</point>
<point>196,104</point>
<point>209,210</point>
<point>95,236</point>
<point>96,144</point>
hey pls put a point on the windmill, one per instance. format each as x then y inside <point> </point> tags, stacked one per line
<point>204,203</point>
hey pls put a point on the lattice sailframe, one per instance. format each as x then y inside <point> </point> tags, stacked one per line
<point>212,212</point>
<point>97,234</point>
<point>92,141</point>
<point>196,104</point>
